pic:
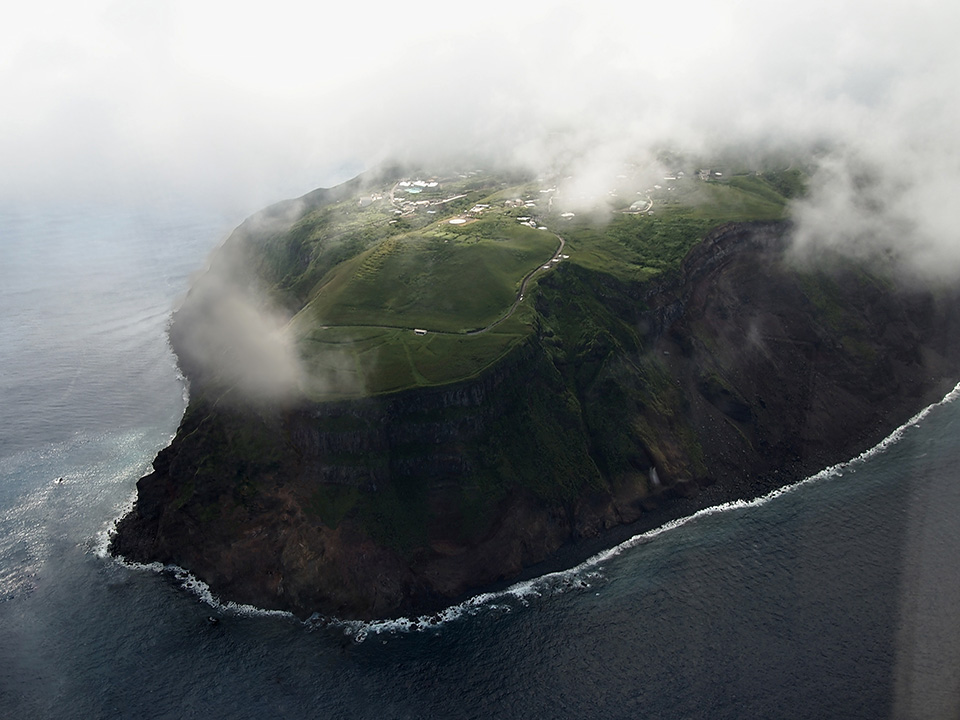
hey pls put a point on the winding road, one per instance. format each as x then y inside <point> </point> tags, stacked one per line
<point>554,259</point>
<point>542,267</point>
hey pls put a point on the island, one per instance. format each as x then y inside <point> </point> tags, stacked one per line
<point>420,384</point>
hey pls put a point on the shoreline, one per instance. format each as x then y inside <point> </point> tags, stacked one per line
<point>570,559</point>
<point>760,487</point>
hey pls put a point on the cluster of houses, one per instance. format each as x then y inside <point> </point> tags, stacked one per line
<point>530,222</point>
<point>368,200</point>
<point>417,186</point>
<point>518,203</point>
<point>403,206</point>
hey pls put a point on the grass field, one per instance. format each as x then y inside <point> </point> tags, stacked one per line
<point>430,280</point>
<point>641,246</point>
<point>366,272</point>
<point>359,360</point>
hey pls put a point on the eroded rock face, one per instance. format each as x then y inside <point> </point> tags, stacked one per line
<point>741,374</point>
<point>804,366</point>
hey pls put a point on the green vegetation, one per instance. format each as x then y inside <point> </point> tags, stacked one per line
<point>421,280</point>
<point>366,265</point>
<point>345,360</point>
<point>640,246</point>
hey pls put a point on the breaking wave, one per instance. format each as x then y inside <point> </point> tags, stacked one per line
<point>579,578</point>
<point>589,572</point>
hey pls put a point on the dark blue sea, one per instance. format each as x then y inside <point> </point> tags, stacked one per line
<point>838,598</point>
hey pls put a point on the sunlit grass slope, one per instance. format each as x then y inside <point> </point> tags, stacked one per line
<point>348,361</point>
<point>452,280</point>
<point>368,268</point>
<point>640,246</point>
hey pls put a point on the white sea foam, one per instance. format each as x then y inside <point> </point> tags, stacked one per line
<point>583,575</point>
<point>101,541</point>
<point>578,578</point>
<point>181,378</point>
<point>198,587</point>
<point>187,581</point>
<point>65,484</point>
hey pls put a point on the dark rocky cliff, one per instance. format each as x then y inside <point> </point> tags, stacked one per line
<point>632,403</point>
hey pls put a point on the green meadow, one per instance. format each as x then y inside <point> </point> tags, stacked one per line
<point>451,280</point>
<point>392,295</point>
<point>638,247</point>
<point>358,360</point>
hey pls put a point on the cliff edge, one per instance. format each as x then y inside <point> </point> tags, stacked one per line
<point>630,402</point>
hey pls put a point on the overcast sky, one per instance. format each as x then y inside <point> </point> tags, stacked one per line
<point>243,104</point>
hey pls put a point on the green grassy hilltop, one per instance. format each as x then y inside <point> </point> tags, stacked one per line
<point>408,279</point>
<point>492,373</point>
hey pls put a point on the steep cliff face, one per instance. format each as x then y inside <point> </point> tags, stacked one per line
<point>795,366</point>
<point>630,403</point>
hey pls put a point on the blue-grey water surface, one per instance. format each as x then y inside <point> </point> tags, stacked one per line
<point>837,599</point>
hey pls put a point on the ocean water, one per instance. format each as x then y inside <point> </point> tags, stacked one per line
<point>839,597</point>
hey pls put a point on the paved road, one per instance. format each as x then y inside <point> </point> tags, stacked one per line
<point>542,268</point>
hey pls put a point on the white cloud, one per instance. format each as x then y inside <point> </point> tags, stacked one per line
<point>239,105</point>
<point>243,103</point>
